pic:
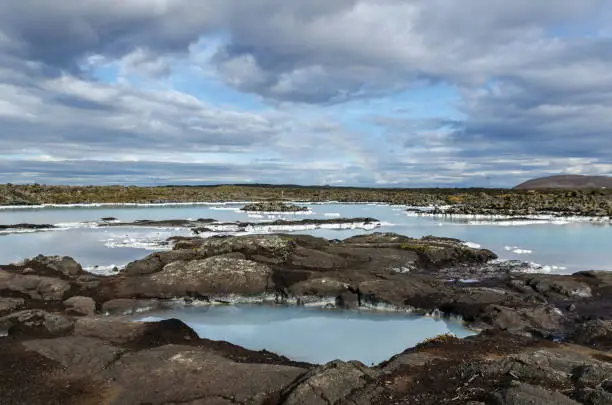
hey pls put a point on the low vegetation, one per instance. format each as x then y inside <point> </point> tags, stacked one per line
<point>596,202</point>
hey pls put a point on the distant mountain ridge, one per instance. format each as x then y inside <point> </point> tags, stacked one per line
<point>567,181</point>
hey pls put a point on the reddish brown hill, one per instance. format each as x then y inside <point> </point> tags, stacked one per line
<point>567,181</point>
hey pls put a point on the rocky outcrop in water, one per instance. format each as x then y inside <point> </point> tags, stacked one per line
<point>273,206</point>
<point>26,227</point>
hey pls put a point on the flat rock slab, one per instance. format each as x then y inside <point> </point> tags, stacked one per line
<point>79,355</point>
<point>36,287</point>
<point>212,276</point>
<point>185,374</point>
<point>109,329</point>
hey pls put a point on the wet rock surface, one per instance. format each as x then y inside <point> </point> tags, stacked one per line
<point>545,338</point>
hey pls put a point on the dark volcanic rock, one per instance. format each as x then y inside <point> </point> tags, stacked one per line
<point>597,333</point>
<point>34,287</point>
<point>273,206</point>
<point>111,360</point>
<point>329,384</point>
<point>80,306</point>
<point>589,396</point>
<point>55,265</point>
<point>35,323</point>
<point>79,355</point>
<point>551,286</point>
<point>161,223</point>
<point>182,374</point>
<point>10,305</point>
<point>198,278</point>
<point>525,394</point>
<point>26,226</point>
<point>155,262</point>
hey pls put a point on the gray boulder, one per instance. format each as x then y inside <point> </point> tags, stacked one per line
<point>80,306</point>
<point>64,265</point>
<point>329,384</point>
<point>36,287</point>
<point>156,261</point>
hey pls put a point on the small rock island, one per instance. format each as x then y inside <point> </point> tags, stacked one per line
<point>273,206</point>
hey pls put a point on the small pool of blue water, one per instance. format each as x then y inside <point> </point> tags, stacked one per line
<point>311,334</point>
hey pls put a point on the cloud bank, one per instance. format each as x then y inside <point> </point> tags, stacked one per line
<point>351,92</point>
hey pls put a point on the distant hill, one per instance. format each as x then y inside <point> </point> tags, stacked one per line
<point>567,181</point>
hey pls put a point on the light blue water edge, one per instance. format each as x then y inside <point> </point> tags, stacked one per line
<point>313,335</point>
<point>556,246</point>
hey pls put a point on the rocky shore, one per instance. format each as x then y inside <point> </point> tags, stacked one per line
<point>544,339</point>
<point>596,202</point>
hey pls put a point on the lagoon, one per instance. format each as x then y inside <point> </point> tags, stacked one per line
<point>558,247</point>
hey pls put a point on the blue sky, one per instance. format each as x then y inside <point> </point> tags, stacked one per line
<point>351,92</point>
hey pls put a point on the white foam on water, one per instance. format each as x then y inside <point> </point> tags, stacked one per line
<point>472,245</point>
<point>256,216</point>
<point>507,220</point>
<point>234,209</point>
<point>517,250</point>
<point>529,266</point>
<point>332,214</point>
<point>76,225</point>
<point>137,244</point>
<point>98,205</point>
<point>280,213</point>
<point>306,227</point>
<point>109,270</point>
<point>16,230</point>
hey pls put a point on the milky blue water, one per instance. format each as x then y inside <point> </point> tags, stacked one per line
<point>313,335</point>
<point>564,248</point>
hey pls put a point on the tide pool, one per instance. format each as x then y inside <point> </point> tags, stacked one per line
<point>311,334</point>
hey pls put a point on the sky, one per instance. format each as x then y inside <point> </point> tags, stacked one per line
<point>383,93</point>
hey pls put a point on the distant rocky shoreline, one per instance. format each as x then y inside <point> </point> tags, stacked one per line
<point>595,202</point>
<point>545,337</point>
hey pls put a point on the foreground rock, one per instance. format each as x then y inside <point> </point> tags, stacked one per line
<point>110,361</point>
<point>60,349</point>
